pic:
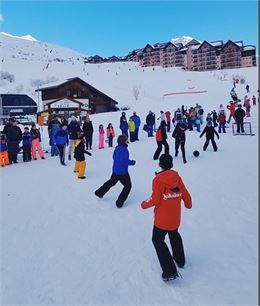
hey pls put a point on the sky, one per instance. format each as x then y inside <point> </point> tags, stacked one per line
<point>116,28</point>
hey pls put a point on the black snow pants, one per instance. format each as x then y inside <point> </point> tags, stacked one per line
<point>124,180</point>
<point>159,149</point>
<point>165,258</point>
<point>213,144</point>
<point>182,144</point>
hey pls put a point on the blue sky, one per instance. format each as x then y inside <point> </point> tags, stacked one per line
<point>115,28</point>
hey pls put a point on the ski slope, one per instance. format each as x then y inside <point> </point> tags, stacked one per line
<point>62,245</point>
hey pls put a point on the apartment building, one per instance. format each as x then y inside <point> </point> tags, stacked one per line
<point>195,55</point>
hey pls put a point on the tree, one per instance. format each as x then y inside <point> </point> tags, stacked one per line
<point>136,91</point>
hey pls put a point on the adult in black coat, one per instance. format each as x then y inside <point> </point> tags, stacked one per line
<point>180,138</point>
<point>150,121</point>
<point>239,117</point>
<point>73,129</point>
<point>14,136</point>
<point>210,131</point>
<point>88,131</point>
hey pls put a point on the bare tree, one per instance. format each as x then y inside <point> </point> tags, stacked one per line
<point>136,91</point>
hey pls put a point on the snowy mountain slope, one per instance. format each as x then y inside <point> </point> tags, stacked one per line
<point>60,245</point>
<point>26,37</point>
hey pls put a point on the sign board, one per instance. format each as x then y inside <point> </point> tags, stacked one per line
<point>64,104</point>
<point>16,110</point>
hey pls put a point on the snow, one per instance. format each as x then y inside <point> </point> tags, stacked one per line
<point>216,43</point>
<point>26,37</point>
<point>247,48</point>
<point>61,245</point>
<point>182,40</point>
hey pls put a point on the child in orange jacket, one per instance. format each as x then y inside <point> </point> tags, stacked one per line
<point>168,192</point>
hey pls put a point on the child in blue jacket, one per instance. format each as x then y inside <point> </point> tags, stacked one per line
<point>120,172</point>
<point>61,139</point>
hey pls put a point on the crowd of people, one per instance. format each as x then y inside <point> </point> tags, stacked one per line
<point>168,189</point>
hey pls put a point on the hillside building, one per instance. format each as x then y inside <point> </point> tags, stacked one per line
<point>75,95</point>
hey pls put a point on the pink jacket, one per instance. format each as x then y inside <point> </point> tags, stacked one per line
<point>110,131</point>
<point>101,131</point>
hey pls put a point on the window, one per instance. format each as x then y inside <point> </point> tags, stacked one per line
<point>6,112</point>
<point>79,94</point>
<point>68,93</point>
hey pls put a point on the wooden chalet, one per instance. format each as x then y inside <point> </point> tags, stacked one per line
<point>75,95</point>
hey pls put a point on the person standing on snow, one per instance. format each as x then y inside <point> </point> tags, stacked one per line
<point>180,137</point>
<point>239,116</point>
<point>161,139</point>
<point>167,193</point>
<point>119,172</point>
<point>150,121</point>
<point>36,142</point>
<point>73,129</point>
<point>61,139</point>
<point>137,122</point>
<point>168,120</point>
<point>88,131</point>
<point>210,131</point>
<point>247,88</point>
<point>221,120</point>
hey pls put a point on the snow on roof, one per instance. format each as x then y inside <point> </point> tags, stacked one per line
<point>239,43</point>
<point>247,48</point>
<point>216,43</point>
<point>195,47</point>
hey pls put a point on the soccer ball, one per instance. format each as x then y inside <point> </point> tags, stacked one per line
<point>196,153</point>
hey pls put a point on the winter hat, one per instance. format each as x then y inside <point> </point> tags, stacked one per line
<point>165,162</point>
<point>209,123</point>
<point>122,139</point>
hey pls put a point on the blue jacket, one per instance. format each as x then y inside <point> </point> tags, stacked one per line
<point>121,160</point>
<point>123,126</point>
<point>3,146</point>
<point>136,120</point>
<point>27,139</point>
<point>61,137</point>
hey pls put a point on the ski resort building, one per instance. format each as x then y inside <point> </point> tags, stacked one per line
<point>195,55</point>
<point>16,105</point>
<point>75,95</point>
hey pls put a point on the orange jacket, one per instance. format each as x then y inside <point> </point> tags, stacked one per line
<point>168,191</point>
<point>232,108</point>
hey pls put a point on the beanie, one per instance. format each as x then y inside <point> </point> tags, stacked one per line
<point>165,161</point>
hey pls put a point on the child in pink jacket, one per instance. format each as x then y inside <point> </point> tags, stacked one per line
<point>110,134</point>
<point>101,143</point>
<point>36,142</point>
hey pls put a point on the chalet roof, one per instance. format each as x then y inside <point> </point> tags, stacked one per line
<point>60,83</point>
<point>206,43</point>
<point>195,47</point>
<point>193,42</point>
<point>238,44</point>
<point>17,100</point>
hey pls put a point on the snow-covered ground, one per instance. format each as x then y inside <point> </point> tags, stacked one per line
<point>61,245</point>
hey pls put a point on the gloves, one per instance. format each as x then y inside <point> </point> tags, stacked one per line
<point>218,137</point>
<point>133,162</point>
<point>200,136</point>
<point>88,153</point>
